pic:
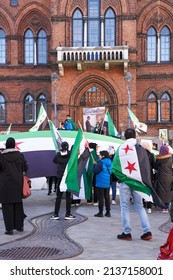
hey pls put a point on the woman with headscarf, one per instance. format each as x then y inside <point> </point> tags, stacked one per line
<point>12,167</point>
<point>163,167</point>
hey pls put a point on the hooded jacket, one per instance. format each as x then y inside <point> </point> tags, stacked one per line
<point>61,160</point>
<point>103,170</point>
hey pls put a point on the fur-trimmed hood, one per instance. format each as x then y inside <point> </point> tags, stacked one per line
<point>163,156</point>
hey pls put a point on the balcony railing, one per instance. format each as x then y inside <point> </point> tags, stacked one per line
<point>81,55</point>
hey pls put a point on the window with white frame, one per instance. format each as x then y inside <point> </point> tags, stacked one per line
<point>35,48</point>
<point>2,47</point>
<point>94,30</point>
<point>159,110</point>
<point>158,45</point>
<point>2,109</point>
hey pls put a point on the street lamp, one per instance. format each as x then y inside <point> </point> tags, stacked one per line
<point>128,78</point>
<point>54,79</point>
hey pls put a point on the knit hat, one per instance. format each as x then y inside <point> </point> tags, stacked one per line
<point>164,150</point>
<point>64,146</point>
<point>10,143</point>
<point>92,146</point>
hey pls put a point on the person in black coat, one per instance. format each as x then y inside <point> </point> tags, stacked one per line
<point>61,160</point>
<point>12,167</point>
<point>164,176</point>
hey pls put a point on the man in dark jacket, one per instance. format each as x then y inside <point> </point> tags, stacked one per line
<point>12,166</point>
<point>61,159</point>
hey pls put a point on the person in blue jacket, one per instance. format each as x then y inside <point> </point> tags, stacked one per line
<point>103,170</point>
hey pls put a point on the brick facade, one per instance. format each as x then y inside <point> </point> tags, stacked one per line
<point>133,18</point>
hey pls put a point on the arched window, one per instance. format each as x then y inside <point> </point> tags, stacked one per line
<point>14,3</point>
<point>42,47</point>
<point>151,45</point>
<point>2,47</point>
<point>77,29</point>
<point>152,107</point>
<point>2,109</point>
<point>165,108</point>
<point>94,97</point>
<point>94,23</point>
<point>29,47</point>
<point>110,28</point>
<point>41,100</point>
<point>29,109</point>
<point>165,44</point>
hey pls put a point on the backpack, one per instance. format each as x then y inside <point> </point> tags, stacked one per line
<point>166,250</point>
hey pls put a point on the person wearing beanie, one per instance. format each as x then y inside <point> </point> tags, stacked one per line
<point>103,170</point>
<point>12,167</point>
<point>163,184</point>
<point>61,160</point>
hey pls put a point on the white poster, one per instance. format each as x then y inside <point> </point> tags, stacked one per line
<point>94,115</point>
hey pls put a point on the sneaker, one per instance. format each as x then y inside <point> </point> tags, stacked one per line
<point>149,211</point>
<point>114,202</point>
<point>165,211</point>
<point>95,203</point>
<point>146,236</point>
<point>54,217</point>
<point>69,217</point>
<point>98,214</point>
<point>124,236</point>
<point>108,214</point>
<point>49,193</point>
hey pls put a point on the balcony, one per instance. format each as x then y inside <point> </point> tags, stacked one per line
<point>79,57</point>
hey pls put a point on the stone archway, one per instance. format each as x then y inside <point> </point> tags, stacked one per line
<point>93,91</point>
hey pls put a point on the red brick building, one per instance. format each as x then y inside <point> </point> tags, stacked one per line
<point>91,45</point>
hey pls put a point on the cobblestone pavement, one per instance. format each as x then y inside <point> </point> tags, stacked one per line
<point>84,238</point>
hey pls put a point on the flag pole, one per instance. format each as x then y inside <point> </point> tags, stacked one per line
<point>85,139</point>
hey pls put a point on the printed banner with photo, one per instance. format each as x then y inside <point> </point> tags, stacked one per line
<point>96,114</point>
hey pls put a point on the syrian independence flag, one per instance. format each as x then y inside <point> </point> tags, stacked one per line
<point>139,127</point>
<point>41,120</point>
<point>131,166</point>
<point>8,129</point>
<point>71,179</point>
<point>57,140</point>
<point>108,123</point>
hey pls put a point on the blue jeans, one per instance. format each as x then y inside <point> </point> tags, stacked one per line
<point>125,194</point>
<point>113,185</point>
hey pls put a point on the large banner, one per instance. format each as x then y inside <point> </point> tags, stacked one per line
<point>96,115</point>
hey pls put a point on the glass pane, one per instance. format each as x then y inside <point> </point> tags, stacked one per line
<point>2,109</point>
<point>41,100</point>
<point>2,47</point>
<point>152,111</point>
<point>42,47</point>
<point>93,23</point>
<point>77,29</point>
<point>165,44</point>
<point>29,109</point>
<point>152,108</point>
<point>151,45</point>
<point>110,28</point>
<point>29,47</point>
<point>93,8</point>
<point>93,33</point>
<point>165,107</point>
<point>14,3</point>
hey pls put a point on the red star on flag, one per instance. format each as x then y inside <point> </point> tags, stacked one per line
<point>131,167</point>
<point>127,149</point>
<point>18,143</point>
